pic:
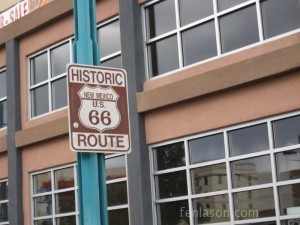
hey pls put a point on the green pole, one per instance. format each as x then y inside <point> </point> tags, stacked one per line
<point>91,166</point>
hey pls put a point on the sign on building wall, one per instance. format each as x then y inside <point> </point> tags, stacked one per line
<point>19,10</point>
<point>98,109</point>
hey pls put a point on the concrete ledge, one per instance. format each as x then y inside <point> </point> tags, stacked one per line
<point>3,144</point>
<point>42,132</point>
<point>36,19</point>
<point>260,67</point>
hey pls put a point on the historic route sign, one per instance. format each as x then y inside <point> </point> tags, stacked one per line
<point>98,109</point>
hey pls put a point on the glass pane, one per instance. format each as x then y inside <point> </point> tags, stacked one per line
<point>192,10</point>
<point>213,209</point>
<point>163,56</point>
<point>207,148</point>
<point>291,222</point>
<point>289,197</point>
<point>172,213</point>
<point>39,100</point>
<point>115,168</point>
<point>287,132</point>
<point>69,220</point>
<point>65,202</point>
<point>239,29</point>
<point>254,204</point>
<point>169,156</point>
<point>38,69</point>
<point>288,165</point>
<point>42,183</point>
<point>109,38</point>
<point>250,172</point>
<point>199,43</point>
<point>117,193</point>
<point>3,212</point>
<point>209,178</point>
<point>43,222</point>
<point>280,16</point>
<point>262,223</point>
<point>115,62</point>
<point>3,114</point>
<point>3,84</point>
<point>160,18</point>
<point>60,57</point>
<point>171,185</point>
<point>248,140</point>
<point>118,217</point>
<point>64,178</point>
<point>42,206</point>
<point>3,191</point>
<point>226,4</point>
<point>59,93</point>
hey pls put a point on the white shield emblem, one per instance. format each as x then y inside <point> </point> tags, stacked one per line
<point>98,108</point>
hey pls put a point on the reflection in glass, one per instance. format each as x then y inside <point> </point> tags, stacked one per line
<point>192,10</point>
<point>280,16</point>
<point>43,222</point>
<point>115,62</point>
<point>40,103</point>
<point>288,165</point>
<point>173,213</point>
<point>3,114</point>
<point>226,4</point>
<point>199,43</point>
<point>254,204</point>
<point>160,18</point>
<point>290,222</point>
<point>169,156</point>
<point>287,132</point>
<point>252,171</point>
<point>164,56</point>
<point>207,148</point>
<point>3,84</point>
<point>38,69</point>
<point>64,178</point>
<point>42,183</point>
<point>3,190</point>
<point>239,29</point>
<point>118,217</point>
<point>213,209</point>
<point>117,193</point>
<point>3,212</point>
<point>109,38</point>
<point>209,178</point>
<point>59,93</point>
<point>115,168</point>
<point>263,223</point>
<point>289,198</point>
<point>60,57</point>
<point>65,202</point>
<point>42,206</point>
<point>68,220</point>
<point>248,140</point>
<point>171,184</point>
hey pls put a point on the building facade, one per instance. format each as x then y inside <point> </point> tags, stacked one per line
<point>214,101</point>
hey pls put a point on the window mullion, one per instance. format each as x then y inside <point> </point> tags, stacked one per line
<point>217,28</point>
<point>179,41</point>
<point>259,21</point>
<point>49,81</point>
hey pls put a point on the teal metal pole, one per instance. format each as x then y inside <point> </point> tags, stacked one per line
<point>91,166</point>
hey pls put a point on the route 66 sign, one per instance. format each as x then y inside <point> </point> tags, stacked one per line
<point>98,109</point>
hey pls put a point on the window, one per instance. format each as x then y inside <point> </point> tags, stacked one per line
<point>3,202</point>
<point>47,80</point>
<point>241,174</point>
<point>110,43</point>
<point>116,180</point>
<point>3,99</point>
<point>179,33</point>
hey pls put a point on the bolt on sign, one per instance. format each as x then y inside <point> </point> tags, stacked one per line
<point>98,109</point>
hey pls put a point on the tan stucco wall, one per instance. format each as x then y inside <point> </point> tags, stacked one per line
<point>2,57</point>
<point>269,97</point>
<point>3,166</point>
<point>45,155</point>
<point>5,4</point>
